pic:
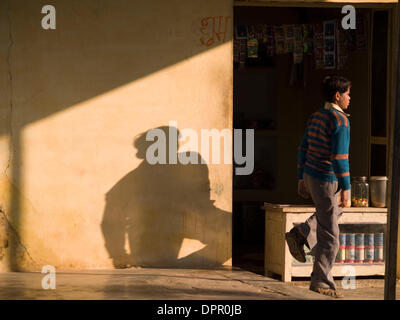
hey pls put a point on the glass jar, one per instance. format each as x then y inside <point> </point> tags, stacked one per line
<point>359,192</point>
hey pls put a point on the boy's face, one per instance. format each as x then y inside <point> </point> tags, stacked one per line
<point>343,100</point>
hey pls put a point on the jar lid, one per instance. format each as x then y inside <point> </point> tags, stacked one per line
<point>363,178</point>
<point>378,178</point>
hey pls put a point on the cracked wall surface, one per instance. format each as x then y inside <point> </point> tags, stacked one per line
<point>75,190</point>
<point>5,92</point>
<point>5,112</point>
<point>10,243</point>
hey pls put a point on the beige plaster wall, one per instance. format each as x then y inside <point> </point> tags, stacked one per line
<point>75,189</point>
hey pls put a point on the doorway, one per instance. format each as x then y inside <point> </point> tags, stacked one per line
<point>275,91</point>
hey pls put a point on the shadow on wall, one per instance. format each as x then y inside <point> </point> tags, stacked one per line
<point>165,212</point>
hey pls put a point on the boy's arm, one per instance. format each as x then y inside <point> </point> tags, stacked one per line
<point>340,156</point>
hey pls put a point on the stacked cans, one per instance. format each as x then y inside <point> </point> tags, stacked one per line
<point>350,247</point>
<point>341,256</point>
<point>360,248</point>
<point>359,256</point>
<point>378,250</point>
<point>369,248</point>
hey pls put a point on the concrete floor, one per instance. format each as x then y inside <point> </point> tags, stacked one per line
<point>364,288</point>
<point>166,284</point>
<point>151,283</point>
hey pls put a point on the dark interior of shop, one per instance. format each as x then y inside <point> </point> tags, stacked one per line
<point>274,96</point>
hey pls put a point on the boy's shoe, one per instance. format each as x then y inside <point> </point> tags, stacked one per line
<point>296,244</point>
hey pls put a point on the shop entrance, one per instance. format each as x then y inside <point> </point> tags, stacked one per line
<point>281,55</point>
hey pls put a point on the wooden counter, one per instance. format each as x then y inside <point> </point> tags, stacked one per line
<point>279,219</point>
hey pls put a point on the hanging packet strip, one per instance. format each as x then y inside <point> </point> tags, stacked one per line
<point>242,50</point>
<point>307,38</point>
<point>298,44</point>
<point>329,44</point>
<point>279,35</point>
<point>289,38</point>
<point>252,43</point>
<point>342,48</point>
<point>259,32</point>
<point>262,40</point>
<point>252,48</point>
<point>236,50</point>
<point>319,45</point>
<point>270,40</point>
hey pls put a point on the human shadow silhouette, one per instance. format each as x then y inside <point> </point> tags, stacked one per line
<point>157,207</point>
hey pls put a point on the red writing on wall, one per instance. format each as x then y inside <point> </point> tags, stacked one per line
<point>213,30</point>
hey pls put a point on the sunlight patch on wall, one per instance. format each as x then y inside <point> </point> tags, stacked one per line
<point>189,246</point>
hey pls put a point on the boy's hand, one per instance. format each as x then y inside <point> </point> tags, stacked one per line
<point>302,189</point>
<point>344,198</point>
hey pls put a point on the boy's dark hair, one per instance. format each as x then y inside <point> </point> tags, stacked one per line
<point>333,84</point>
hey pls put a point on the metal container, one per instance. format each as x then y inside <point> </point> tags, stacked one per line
<point>378,250</point>
<point>378,186</point>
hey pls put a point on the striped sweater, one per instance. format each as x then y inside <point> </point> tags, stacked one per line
<point>324,150</point>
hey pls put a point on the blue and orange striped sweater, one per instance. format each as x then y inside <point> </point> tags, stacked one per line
<point>324,150</point>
